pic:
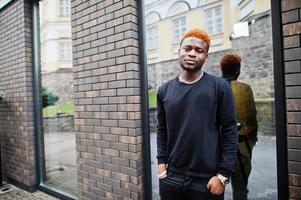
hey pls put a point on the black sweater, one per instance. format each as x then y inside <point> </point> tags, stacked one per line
<point>197,134</point>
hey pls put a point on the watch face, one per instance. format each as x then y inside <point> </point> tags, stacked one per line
<point>227,181</point>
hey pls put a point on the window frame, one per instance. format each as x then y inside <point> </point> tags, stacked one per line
<point>280,102</point>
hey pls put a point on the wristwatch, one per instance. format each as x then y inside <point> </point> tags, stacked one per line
<point>223,180</point>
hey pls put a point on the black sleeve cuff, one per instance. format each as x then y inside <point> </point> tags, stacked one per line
<point>161,161</point>
<point>225,173</point>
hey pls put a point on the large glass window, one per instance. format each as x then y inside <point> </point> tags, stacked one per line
<point>58,136</point>
<point>256,70</point>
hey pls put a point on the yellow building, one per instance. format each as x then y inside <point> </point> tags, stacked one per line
<point>55,27</point>
<point>167,20</point>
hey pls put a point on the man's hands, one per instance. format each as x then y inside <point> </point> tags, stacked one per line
<point>215,186</point>
<point>161,170</point>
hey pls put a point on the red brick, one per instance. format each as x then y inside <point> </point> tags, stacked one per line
<point>292,29</point>
<point>290,4</point>
<point>295,180</point>
<point>295,192</point>
<point>294,130</point>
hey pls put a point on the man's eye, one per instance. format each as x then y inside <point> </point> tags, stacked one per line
<point>199,50</point>
<point>187,48</point>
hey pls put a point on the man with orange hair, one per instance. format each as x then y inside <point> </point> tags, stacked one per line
<point>246,115</point>
<point>196,132</point>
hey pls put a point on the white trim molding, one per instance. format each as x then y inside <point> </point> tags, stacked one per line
<point>4,3</point>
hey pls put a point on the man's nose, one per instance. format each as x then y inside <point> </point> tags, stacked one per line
<point>192,53</point>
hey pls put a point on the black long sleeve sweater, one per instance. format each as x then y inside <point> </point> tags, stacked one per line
<point>196,132</point>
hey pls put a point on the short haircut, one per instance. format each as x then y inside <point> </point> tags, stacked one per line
<point>230,63</point>
<point>197,33</point>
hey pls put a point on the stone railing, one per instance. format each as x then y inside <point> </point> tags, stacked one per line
<point>265,117</point>
<point>59,123</point>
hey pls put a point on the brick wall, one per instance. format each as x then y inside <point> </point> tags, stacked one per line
<point>291,20</point>
<point>107,99</point>
<point>16,111</point>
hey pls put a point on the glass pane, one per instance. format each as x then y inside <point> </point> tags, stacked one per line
<point>210,29</point>
<point>217,11</point>
<point>209,14</point>
<point>59,169</point>
<point>256,71</point>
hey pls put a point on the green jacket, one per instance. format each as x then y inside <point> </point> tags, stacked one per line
<point>245,109</point>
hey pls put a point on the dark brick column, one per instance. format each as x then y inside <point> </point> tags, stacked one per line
<point>16,111</point>
<point>291,20</point>
<point>107,99</point>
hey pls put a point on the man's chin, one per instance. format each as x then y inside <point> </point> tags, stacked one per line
<point>191,69</point>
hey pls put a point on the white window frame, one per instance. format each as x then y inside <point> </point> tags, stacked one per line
<point>65,50</point>
<point>65,8</point>
<point>178,29</point>
<point>152,37</point>
<point>214,22</point>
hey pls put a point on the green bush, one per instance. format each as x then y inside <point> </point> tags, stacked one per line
<point>48,98</point>
<point>2,95</point>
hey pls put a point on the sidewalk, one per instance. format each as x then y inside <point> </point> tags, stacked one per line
<point>19,194</point>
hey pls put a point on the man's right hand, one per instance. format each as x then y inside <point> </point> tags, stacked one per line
<point>161,169</point>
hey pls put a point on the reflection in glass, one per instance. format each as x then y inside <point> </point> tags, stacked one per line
<point>165,23</point>
<point>59,164</point>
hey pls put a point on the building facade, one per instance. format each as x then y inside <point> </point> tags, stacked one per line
<point>55,17</point>
<point>110,119</point>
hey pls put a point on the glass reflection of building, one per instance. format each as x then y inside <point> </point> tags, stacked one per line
<point>59,164</point>
<point>239,26</point>
<point>56,48</point>
<point>166,21</point>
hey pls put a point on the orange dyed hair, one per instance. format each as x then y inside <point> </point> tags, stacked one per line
<point>198,33</point>
<point>230,62</point>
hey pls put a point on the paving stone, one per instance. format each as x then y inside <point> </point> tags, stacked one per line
<point>19,194</point>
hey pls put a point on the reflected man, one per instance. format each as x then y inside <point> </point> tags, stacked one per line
<point>246,116</point>
<point>196,132</point>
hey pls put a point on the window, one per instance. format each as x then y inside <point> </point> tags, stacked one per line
<point>246,10</point>
<point>64,8</point>
<point>219,17</point>
<point>65,50</point>
<point>214,21</point>
<point>179,26</point>
<point>152,37</point>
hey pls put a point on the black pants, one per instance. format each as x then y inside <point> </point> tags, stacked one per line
<point>181,187</point>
